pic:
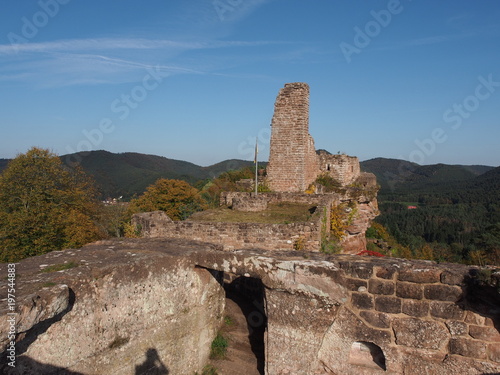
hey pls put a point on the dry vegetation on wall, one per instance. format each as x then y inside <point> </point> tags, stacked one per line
<point>327,184</point>
<point>341,216</point>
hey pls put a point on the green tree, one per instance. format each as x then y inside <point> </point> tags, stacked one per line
<point>44,206</point>
<point>177,198</point>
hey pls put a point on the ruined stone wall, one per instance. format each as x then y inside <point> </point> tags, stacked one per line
<point>361,316</point>
<point>419,314</point>
<point>231,236</point>
<point>226,198</point>
<point>293,163</point>
<point>343,168</point>
<point>367,180</point>
<point>311,234</point>
<point>312,164</point>
<point>250,203</point>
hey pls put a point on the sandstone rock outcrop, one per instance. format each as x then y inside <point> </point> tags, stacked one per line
<point>116,309</point>
<point>158,303</point>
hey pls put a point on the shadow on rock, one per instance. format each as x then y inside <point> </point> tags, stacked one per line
<point>27,366</point>
<point>152,365</point>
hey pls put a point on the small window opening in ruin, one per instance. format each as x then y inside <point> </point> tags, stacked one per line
<point>367,354</point>
<point>328,167</point>
<point>352,168</point>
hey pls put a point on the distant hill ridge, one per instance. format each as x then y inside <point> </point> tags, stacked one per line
<point>394,173</point>
<point>127,174</point>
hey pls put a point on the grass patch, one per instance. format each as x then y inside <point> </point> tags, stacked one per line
<point>219,346</point>
<point>209,370</point>
<point>48,284</point>
<point>228,321</point>
<point>276,213</point>
<point>60,267</point>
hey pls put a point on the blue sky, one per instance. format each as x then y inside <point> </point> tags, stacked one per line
<point>196,80</point>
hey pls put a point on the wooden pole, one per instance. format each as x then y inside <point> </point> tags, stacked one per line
<point>256,168</point>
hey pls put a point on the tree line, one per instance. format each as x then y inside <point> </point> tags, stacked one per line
<point>46,206</point>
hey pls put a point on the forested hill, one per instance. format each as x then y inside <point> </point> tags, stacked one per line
<point>130,173</point>
<point>447,213</point>
<point>395,175</point>
<point>127,174</point>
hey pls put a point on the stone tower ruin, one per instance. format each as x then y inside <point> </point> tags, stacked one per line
<point>293,163</point>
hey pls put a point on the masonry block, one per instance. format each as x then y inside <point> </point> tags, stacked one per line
<point>415,308</point>
<point>360,271</point>
<point>420,333</point>
<point>494,352</point>
<point>355,284</point>
<point>484,333</point>
<point>457,328</point>
<point>452,278</point>
<point>385,272</point>
<point>446,310</point>
<point>388,304</point>
<point>490,322</point>
<point>474,318</point>
<point>468,348</point>
<point>442,292</point>
<point>362,301</point>
<point>377,286</point>
<point>409,290</point>
<point>420,275</point>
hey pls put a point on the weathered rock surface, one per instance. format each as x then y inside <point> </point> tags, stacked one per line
<point>367,210</point>
<point>155,303</point>
<point>120,310</point>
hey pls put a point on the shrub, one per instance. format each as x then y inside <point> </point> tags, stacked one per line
<point>219,346</point>
<point>209,370</point>
<point>177,198</point>
<point>329,183</point>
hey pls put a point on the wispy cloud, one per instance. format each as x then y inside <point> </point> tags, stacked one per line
<point>107,44</point>
<point>106,60</point>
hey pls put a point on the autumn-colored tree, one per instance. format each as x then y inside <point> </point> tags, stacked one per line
<point>177,198</point>
<point>44,206</point>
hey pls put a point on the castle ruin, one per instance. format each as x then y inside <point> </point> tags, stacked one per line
<point>155,304</point>
<point>294,163</point>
